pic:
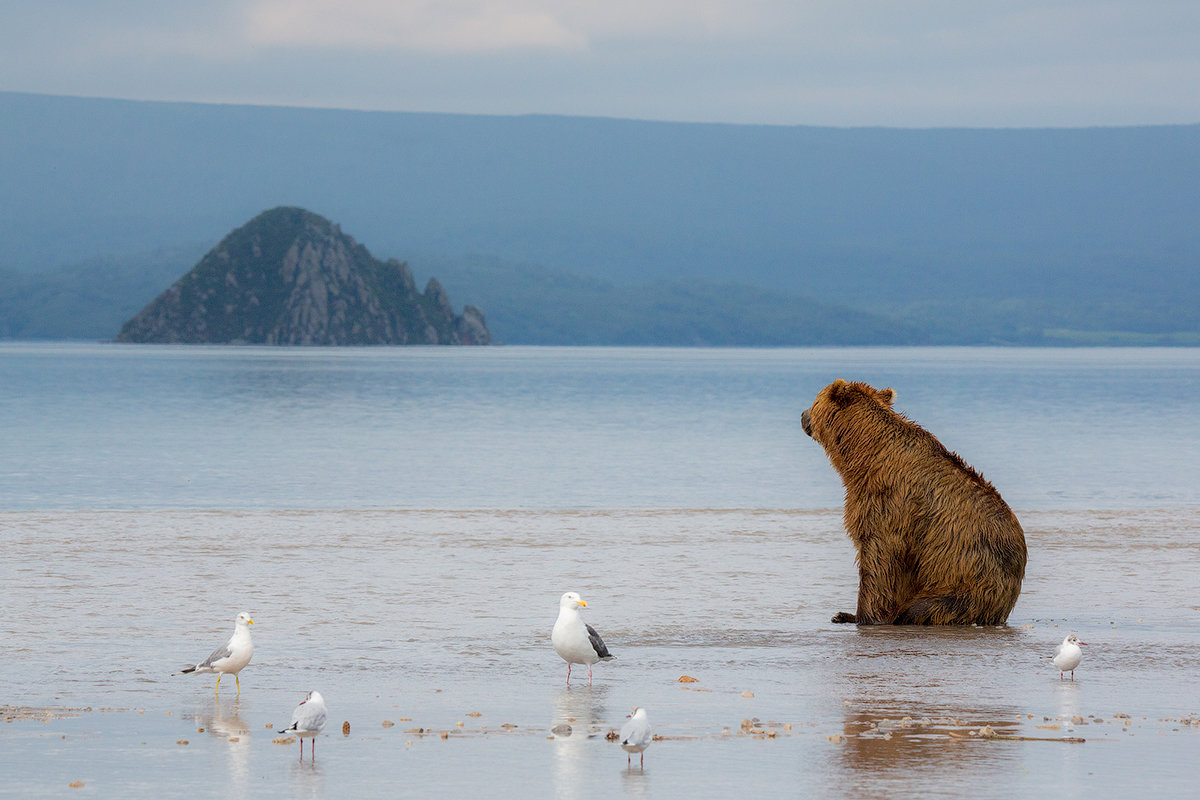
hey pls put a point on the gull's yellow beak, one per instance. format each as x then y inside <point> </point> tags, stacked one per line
<point>582,603</point>
<point>249,622</point>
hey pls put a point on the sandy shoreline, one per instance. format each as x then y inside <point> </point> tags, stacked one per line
<point>426,618</point>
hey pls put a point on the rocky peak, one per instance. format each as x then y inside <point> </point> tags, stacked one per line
<point>292,277</point>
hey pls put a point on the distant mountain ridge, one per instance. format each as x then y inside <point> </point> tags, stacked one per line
<point>291,277</point>
<point>965,236</point>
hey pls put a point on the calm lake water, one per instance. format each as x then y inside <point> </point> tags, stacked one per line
<point>400,523</point>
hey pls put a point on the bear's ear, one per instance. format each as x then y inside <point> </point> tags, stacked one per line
<point>837,391</point>
<point>886,396</point>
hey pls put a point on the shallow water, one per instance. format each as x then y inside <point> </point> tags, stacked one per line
<point>401,524</point>
<point>421,617</point>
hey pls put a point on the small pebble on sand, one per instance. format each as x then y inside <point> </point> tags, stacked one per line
<point>836,738</point>
<point>284,740</point>
<point>181,741</point>
<point>346,728</point>
<point>76,784</point>
<point>387,723</point>
<point>747,693</point>
<point>474,714</point>
<point>687,679</point>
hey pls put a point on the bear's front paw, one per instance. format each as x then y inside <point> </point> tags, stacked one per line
<point>843,616</point>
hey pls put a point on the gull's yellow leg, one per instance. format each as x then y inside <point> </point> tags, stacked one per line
<point>217,690</point>
<point>238,682</point>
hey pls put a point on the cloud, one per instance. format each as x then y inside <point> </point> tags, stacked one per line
<point>465,26</point>
<point>450,27</point>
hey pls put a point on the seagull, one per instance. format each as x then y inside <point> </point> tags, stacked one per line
<point>636,736</point>
<point>229,658</point>
<point>307,721</point>
<point>1067,656</point>
<point>575,640</point>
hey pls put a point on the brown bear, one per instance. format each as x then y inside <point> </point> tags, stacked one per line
<point>936,543</point>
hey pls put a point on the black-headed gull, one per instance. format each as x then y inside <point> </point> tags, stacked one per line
<point>574,640</point>
<point>636,736</point>
<point>231,657</point>
<point>1067,656</point>
<point>307,721</point>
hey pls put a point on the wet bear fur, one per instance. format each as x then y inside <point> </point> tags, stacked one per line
<point>937,545</point>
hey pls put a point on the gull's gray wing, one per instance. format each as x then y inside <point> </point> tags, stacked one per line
<point>221,652</point>
<point>635,732</point>
<point>598,643</point>
<point>309,716</point>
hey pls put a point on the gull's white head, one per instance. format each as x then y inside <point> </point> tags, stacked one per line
<point>571,600</point>
<point>636,711</point>
<point>244,618</point>
<point>1073,639</point>
<point>312,697</point>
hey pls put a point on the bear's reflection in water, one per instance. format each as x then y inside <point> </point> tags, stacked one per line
<point>893,724</point>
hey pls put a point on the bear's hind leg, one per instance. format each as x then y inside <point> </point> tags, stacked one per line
<point>949,609</point>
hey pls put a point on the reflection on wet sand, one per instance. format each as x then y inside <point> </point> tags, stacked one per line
<point>583,709</point>
<point>1068,699</point>
<point>222,719</point>
<point>307,779</point>
<point>893,734</point>
<point>884,742</point>
<point>635,782</point>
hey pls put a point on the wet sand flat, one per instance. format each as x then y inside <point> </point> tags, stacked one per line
<point>438,622</point>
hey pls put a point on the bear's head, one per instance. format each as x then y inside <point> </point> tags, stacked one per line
<point>819,419</point>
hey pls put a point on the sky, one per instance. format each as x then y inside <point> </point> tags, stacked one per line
<point>897,63</point>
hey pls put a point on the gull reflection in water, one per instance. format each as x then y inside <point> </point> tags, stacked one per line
<point>582,708</point>
<point>635,782</point>
<point>223,720</point>
<point>307,778</point>
<point>1068,699</point>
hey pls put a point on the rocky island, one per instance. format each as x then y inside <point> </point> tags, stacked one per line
<point>291,277</point>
